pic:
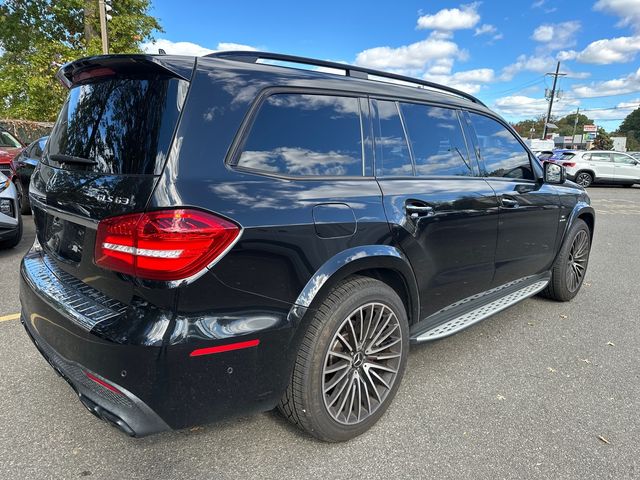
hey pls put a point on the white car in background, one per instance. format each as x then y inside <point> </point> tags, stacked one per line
<point>599,166</point>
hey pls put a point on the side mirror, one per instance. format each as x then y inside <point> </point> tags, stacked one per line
<point>554,174</point>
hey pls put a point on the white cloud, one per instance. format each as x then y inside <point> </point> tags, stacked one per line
<point>606,51</point>
<point>469,81</point>
<point>485,28</point>
<point>537,4</point>
<point>621,110</point>
<point>537,64</point>
<point>525,63</point>
<point>523,106</point>
<point>627,10</point>
<point>448,19</point>
<point>409,58</point>
<point>557,35</point>
<point>189,48</point>
<point>617,86</point>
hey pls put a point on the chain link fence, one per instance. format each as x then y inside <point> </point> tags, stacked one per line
<point>26,130</point>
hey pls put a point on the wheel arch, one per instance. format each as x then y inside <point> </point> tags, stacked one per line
<point>383,262</point>
<point>582,211</point>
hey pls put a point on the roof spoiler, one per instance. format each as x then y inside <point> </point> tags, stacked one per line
<point>74,72</point>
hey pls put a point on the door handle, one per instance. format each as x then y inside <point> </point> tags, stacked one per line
<point>508,202</point>
<point>416,211</point>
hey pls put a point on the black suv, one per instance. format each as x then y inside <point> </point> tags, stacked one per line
<point>228,234</point>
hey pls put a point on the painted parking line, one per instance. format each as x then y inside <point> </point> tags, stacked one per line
<point>13,316</point>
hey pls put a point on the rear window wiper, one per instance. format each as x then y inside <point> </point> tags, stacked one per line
<point>61,158</point>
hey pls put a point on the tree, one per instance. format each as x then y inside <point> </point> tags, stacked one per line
<point>524,127</point>
<point>602,141</point>
<point>37,36</point>
<point>630,127</point>
<point>566,124</point>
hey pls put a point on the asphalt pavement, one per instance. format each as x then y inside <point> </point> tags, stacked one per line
<point>541,390</point>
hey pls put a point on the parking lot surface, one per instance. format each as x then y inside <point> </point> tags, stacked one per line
<point>541,390</point>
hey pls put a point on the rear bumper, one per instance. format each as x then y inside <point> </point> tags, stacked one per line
<point>122,409</point>
<point>145,353</point>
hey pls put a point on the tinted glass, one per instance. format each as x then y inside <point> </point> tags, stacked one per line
<point>295,134</point>
<point>8,140</point>
<point>125,125</point>
<point>624,159</point>
<point>600,157</point>
<point>38,147</point>
<point>392,151</point>
<point>500,152</point>
<point>437,140</point>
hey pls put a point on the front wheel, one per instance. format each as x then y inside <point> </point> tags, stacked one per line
<point>570,267</point>
<point>584,179</point>
<point>351,361</point>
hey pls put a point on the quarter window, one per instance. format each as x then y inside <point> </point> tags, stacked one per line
<point>501,154</point>
<point>306,135</point>
<point>392,151</point>
<point>437,140</point>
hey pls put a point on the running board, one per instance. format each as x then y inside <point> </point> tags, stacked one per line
<point>471,317</point>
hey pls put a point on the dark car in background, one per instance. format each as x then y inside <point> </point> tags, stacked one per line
<point>24,163</point>
<point>218,236</point>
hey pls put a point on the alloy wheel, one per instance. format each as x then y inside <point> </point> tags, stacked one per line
<point>362,363</point>
<point>583,179</point>
<point>577,263</point>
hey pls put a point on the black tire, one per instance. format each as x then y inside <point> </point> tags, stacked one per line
<point>25,206</point>
<point>305,402</point>
<point>628,185</point>
<point>15,240</point>
<point>584,179</point>
<point>563,286</point>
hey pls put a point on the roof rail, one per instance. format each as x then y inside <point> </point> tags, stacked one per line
<point>250,56</point>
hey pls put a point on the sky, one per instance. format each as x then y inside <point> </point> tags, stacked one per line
<point>498,50</point>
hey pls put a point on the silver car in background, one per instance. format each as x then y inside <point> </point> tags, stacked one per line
<point>598,166</point>
<point>10,218</point>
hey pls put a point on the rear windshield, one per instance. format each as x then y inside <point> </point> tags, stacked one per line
<point>563,155</point>
<point>117,125</point>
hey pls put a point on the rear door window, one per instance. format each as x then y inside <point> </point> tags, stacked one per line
<point>305,135</point>
<point>600,157</point>
<point>501,154</point>
<point>437,140</point>
<point>392,152</point>
<point>117,125</point>
<point>623,159</point>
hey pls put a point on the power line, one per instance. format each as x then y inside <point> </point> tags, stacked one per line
<point>520,87</point>
<point>603,96</point>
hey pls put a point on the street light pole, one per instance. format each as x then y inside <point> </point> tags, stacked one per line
<point>103,27</point>
<point>553,94</point>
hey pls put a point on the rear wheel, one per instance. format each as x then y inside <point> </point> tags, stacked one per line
<point>350,363</point>
<point>570,266</point>
<point>584,179</point>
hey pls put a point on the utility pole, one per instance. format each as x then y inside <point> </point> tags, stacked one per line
<point>103,26</point>
<point>553,94</point>
<point>575,126</point>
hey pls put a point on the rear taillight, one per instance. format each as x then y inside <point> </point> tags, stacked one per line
<point>568,164</point>
<point>163,245</point>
